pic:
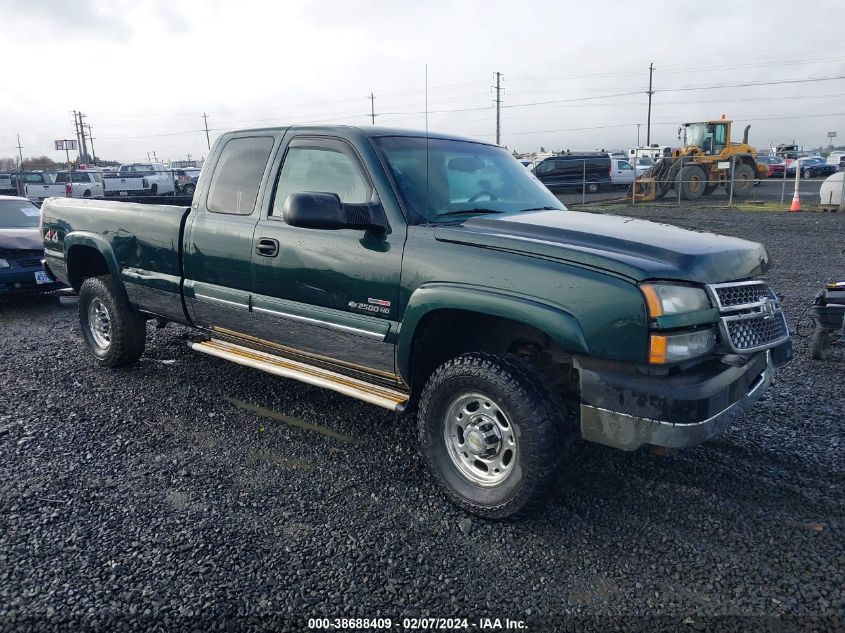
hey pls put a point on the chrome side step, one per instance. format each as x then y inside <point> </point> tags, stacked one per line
<point>374,394</point>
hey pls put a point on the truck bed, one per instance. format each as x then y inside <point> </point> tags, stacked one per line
<point>140,243</point>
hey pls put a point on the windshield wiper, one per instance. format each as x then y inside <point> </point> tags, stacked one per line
<point>462,211</point>
<point>542,209</point>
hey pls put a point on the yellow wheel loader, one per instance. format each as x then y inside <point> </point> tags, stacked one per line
<point>707,160</point>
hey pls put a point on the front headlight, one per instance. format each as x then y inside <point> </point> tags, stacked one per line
<point>664,299</point>
<point>4,263</point>
<point>673,348</point>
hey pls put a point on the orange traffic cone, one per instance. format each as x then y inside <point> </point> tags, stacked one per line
<point>796,203</point>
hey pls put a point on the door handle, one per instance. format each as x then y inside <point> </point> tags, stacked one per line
<point>267,247</point>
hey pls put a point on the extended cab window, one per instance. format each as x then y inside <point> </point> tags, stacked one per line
<point>237,176</point>
<point>321,170</point>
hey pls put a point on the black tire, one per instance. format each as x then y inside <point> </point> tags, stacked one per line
<point>593,187</point>
<point>154,190</point>
<point>531,412</point>
<point>671,177</point>
<point>692,182</point>
<point>126,329</point>
<point>807,173</point>
<point>819,344</point>
<point>188,190</point>
<point>87,194</point>
<point>743,180</point>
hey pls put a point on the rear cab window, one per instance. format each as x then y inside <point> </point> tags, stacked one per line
<point>237,175</point>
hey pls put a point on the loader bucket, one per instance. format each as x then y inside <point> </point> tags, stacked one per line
<point>645,189</point>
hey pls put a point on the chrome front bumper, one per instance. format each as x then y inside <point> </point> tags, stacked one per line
<point>628,432</point>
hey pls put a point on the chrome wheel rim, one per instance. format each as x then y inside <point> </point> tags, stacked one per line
<point>99,323</point>
<point>480,439</point>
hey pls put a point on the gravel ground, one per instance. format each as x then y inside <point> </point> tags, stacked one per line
<point>157,498</point>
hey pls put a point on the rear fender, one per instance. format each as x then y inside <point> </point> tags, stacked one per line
<point>98,243</point>
<point>560,326</point>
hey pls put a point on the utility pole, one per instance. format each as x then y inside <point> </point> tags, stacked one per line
<point>91,138</point>
<point>498,107</point>
<point>373,108</point>
<point>155,158</point>
<point>650,92</point>
<point>78,137</point>
<point>638,134</point>
<point>85,154</point>
<point>20,153</point>
<point>207,138</point>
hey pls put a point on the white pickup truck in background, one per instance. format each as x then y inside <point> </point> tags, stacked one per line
<point>140,179</point>
<point>77,184</point>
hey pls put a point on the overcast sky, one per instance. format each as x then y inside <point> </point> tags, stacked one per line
<point>575,73</point>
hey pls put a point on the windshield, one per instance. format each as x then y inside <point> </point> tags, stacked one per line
<point>463,177</point>
<point>18,214</point>
<point>696,133</point>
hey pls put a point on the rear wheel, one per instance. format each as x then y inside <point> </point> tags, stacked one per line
<point>593,187</point>
<point>489,432</point>
<point>743,180</point>
<point>693,182</point>
<point>819,344</point>
<point>115,334</point>
<point>87,194</point>
<point>154,190</point>
<point>188,189</point>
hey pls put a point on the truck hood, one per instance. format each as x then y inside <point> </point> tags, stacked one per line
<point>638,249</point>
<point>20,240</point>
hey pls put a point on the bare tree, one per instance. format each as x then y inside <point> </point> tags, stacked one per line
<point>40,162</point>
<point>8,164</point>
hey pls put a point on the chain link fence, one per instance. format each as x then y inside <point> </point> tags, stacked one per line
<point>138,183</point>
<point>692,180</point>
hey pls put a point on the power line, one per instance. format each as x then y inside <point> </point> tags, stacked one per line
<point>753,83</point>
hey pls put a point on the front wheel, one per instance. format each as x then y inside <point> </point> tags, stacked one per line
<point>115,334</point>
<point>693,182</point>
<point>489,432</point>
<point>743,180</point>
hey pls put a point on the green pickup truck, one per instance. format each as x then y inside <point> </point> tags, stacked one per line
<point>435,274</point>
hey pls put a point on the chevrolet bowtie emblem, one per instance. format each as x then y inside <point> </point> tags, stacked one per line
<point>767,307</point>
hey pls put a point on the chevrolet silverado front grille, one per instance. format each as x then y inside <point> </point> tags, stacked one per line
<point>751,316</point>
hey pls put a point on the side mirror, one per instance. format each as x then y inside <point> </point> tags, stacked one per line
<point>317,210</point>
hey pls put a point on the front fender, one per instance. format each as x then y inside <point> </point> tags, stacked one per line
<point>560,326</point>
